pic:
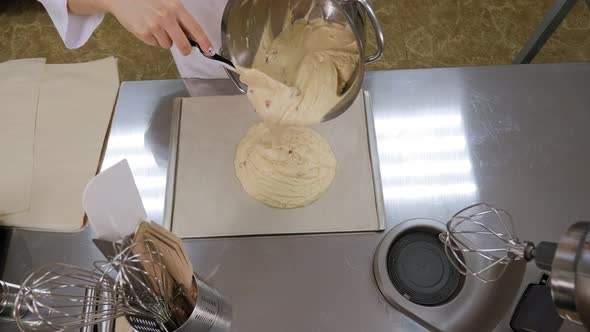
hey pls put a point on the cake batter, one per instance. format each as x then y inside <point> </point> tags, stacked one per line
<point>299,76</point>
<point>295,79</point>
<point>293,174</point>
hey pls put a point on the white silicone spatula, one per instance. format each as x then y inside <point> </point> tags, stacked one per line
<point>112,203</point>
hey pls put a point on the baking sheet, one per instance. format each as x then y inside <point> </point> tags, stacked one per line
<point>208,200</point>
<point>19,92</point>
<point>75,106</point>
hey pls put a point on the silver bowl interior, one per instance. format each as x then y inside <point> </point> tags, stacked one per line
<point>244,22</point>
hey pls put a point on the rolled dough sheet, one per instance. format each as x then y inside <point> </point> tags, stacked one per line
<point>209,200</point>
<point>19,93</point>
<point>75,106</point>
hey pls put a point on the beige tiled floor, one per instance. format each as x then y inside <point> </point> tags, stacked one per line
<point>418,33</point>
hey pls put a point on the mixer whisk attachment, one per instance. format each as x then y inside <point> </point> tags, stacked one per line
<point>480,241</point>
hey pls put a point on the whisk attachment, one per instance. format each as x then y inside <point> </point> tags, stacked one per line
<point>480,241</point>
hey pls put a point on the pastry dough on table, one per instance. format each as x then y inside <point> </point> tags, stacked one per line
<point>75,106</point>
<point>19,93</point>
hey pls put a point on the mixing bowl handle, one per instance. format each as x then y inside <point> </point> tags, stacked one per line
<point>378,31</point>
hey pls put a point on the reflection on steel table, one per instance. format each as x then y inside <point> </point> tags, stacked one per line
<point>513,136</point>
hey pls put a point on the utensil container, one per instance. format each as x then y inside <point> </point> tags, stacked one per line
<point>8,293</point>
<point>212,313</point>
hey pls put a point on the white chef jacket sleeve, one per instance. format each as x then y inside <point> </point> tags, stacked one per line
<point>74,30</point>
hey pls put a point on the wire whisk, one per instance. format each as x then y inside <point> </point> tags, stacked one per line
<point>480,241</point>
<point>135,283</point>
<point>60,297</point>
<point>143,280</point>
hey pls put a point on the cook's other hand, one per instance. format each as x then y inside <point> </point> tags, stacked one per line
<point>156,22</point>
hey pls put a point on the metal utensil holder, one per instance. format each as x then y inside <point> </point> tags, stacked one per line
<point>212,313</point>
<point>8,293</point>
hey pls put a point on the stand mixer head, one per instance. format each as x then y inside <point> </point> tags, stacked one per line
<point>487,232</point>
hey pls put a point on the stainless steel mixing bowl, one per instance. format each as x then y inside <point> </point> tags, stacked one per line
<point>244,21</point>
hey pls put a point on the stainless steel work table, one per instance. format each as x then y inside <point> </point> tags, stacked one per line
<point>515,136</point>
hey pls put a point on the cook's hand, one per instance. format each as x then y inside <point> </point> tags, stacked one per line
<point>156,22</point>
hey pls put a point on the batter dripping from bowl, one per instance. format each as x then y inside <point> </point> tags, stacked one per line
<point>295,79</point>
<point>298,77</point>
